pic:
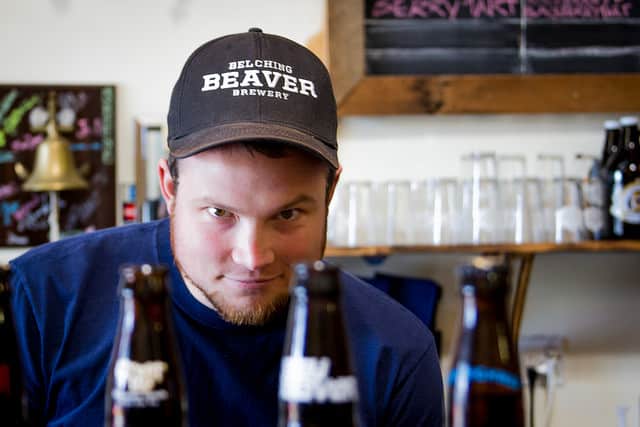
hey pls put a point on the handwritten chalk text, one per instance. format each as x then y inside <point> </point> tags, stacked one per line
<point>27,143</point>
<point>86,130</point>
<point>8,209</point>
<point>11,122</point>
<point>86,146</point>
<point>14,239</point>
<point>26,208</point>
<point>8,190</point>
<point>36,220</point>
<point>6,157</point>
<point>454,9</point>
<point>7,102</point>
<point>593,9</point>
<point>75,101</point>
<point>448,9</point>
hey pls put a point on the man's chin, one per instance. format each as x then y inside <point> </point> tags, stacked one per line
<point>248,311</point>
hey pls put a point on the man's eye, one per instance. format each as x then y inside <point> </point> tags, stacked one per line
<point>289,214</point>
<point>218,213</point>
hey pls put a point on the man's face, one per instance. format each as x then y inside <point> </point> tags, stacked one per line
<point>239,221</point>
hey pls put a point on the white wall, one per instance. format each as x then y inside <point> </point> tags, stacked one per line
<point>140,47</point>
<point>589,298</point>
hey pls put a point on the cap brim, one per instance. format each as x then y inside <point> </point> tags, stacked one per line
<point>250,131</point>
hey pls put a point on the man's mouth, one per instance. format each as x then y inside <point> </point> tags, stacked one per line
<point>252,282</point>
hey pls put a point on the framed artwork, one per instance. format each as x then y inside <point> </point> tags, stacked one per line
<point>85,117</point>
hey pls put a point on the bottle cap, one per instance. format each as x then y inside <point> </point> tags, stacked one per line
<point>628,121</point>
<point>486,273</point>
<point>144,279</point>
<point>318,277</point>
<point>611,124</point>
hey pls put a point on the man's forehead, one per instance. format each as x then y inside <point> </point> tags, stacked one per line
<point>270,149</point>
<point>292,168</point>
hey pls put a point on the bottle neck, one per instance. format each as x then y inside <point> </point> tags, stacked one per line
<point>145,327</point>
<point>612,144</point>
<point>485,335</point>
<point>482,306</point>
<point>630,139</point>
<point>315,323</point>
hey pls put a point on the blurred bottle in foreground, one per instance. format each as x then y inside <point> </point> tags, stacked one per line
<point>12,409</point>
<point>485,389</point>
<point>145,386</point>
<point>317,384</point>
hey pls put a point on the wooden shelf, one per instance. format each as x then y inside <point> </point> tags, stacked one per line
<point>525,249</point>
<point>492,94</point>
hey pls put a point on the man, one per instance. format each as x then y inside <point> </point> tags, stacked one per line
<point>252,167</point>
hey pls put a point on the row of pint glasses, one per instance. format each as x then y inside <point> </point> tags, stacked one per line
<point>493,201</point>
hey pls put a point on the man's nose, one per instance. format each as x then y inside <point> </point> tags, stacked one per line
<point>253,248</point>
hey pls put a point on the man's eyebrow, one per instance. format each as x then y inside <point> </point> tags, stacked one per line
<point>302,199</point>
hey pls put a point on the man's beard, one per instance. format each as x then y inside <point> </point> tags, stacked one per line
<point>258,314</point>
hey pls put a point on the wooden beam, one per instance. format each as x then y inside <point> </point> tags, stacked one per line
<point>446,94</point>
<point>346,61</point>
<point>318,44</point>
<point>520,296</point>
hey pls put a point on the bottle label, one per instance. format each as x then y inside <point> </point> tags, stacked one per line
<point>484,375</point>
<point>307,380</point>
<point>625,202</point>
<point>5,379</point>
<point>135,383</point>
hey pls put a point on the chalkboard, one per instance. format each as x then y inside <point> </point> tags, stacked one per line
<point>86,118</point>
<point>502,36</point>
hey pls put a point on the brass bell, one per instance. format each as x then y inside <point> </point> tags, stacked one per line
<point>54,168</point>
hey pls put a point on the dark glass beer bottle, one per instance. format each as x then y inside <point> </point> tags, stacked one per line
<point>318,387</point>
<point>485,389</point>
<point>11,393</point>
<point>625,188</point>
<point>594,199</point>
<point>145,385</point>
<point>612,148</point>
<point>612,142</point>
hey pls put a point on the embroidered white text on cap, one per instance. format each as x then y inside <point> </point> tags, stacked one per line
<point>259,77</point>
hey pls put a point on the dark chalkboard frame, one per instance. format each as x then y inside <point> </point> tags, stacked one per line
<point>341,45</point>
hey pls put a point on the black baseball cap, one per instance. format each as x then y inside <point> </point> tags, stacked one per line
<point>253,87</point>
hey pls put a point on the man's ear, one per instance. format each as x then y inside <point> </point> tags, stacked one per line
<point>168,186</point>
<point>335,183</point>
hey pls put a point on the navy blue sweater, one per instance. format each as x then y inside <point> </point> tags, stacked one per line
<point>66,307</point>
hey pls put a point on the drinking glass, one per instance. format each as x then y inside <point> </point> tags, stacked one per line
<point>514,227</point>
<point>481,203</point>
<point>444,211</point>
<point>337,220</point>
<point>534,213</point>
<point>399,212</point>
<point>420,220</point>
<point>551,169</point>
<point>569,224</point>
<point>360,223</point>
